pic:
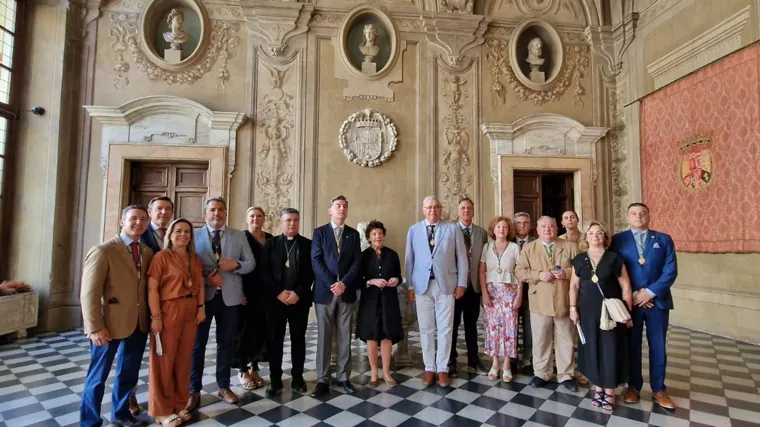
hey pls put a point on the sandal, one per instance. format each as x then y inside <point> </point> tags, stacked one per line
<point>172,420</point>
<point>256,379</point>
<point>493,374</point>
<point>185,415</point>
<point>608,405</point>
<point>506,376</point>
<point>598,398</point>
<point>246,382</point>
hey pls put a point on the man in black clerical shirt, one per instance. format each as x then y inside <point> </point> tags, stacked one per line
<point>288,278</point>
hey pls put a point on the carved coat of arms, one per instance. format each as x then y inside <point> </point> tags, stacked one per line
<point>368,138</point>
<point>695,170</point>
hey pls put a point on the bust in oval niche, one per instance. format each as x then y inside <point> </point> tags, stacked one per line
<point>179,32</point>
<point>536,54</point>
<point>368,44</point>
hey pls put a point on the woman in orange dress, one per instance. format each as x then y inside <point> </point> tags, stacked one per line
<point>176,300</point>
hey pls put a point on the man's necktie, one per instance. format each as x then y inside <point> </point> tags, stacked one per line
<point>216,244</point>
<point>134,248</point>
<point>640,243</point>
<point>431,236</point>
<point>161,234</point>
<point>467,239</point>
<point>338,231</point>
<point>521,243</point>
<point>550,251</point>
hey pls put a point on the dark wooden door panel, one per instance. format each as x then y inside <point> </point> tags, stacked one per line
<point>185,184</point>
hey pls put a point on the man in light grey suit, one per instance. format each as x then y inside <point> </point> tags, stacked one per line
<point>226,257</point>
<point>522,238</point>
<point>436,266</point>
<point>469,305</point>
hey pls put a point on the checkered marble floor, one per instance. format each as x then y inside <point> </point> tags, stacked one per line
<point>714,381</point>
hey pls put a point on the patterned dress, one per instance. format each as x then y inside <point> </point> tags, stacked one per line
<point>500,320</point>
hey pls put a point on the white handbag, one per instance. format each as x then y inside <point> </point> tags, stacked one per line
<point>614,311</point>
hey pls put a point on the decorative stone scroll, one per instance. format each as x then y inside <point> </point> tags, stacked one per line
<point>455,34</point>
<point>368,138</point>
<point>277,22</point>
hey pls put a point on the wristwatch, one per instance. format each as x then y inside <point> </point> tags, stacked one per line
<point>573,308</point>
<point>201,305</point>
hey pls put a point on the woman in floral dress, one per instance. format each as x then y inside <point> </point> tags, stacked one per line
<point>502,296</point>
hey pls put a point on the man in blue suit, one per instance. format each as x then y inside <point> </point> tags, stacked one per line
<point>226,257</point>
<point>437,268</point>
<point>650,258</point>
<point>161,212</point>
<point>335,258</point>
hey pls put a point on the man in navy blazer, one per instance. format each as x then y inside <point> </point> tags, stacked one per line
<point>650,258</point>
<point>226,257</point>
<point>161,212</point>
<point>335,258</point>
<point>437,269</point>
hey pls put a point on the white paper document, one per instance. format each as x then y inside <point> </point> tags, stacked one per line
<point>159,348</point>
<point>581,337</point>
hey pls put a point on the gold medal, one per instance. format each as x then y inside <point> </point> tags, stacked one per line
<point>595,278</point>
<point>499,270</point>
<point>432,242</point>
<point>642,261</point>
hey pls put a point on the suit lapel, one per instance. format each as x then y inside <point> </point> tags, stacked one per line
<point>649,243</point>
<point>556,254</point>
<point>440,233</point>
<point>226,242</point>
<point>124,254</point>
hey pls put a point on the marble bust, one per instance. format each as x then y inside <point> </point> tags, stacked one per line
<point>535,60</point>
<point>369,47</point>
<point>176,36</point>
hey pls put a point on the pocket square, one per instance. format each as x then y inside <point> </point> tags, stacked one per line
<point>656,245</point>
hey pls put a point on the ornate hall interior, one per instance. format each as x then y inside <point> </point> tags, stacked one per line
<point>540,106</point>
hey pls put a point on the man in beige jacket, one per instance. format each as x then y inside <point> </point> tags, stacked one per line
<point>115,313</point>
<point>546,265</point>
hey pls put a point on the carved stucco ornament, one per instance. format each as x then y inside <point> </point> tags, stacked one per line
<point>125,36</point>
<point>277,22</point>
<point>455,34</point>
<point>368,138</point>
<point>575,62</point>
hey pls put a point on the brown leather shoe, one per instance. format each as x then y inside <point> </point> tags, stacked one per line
<point>134,408</point>
<point>443,379</point>
<point>662,399</point>
<point>427,379</point>
<point>194,402</point>
<point>228,395</point>
<point>582,380</point>
<point>631,395</point>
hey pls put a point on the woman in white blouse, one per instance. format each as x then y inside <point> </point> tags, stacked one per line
<point>502,296</point>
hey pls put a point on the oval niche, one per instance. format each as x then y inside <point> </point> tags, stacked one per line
<point>174,34</point>
<point>368,42</point>
<point>536,54</point>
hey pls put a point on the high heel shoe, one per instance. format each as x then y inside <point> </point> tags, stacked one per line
<point>506,376</point>
<point>493,374</point>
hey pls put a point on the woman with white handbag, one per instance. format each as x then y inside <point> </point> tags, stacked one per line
<point>598,287</point>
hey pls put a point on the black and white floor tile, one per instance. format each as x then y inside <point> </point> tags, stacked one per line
<point>714,381</point>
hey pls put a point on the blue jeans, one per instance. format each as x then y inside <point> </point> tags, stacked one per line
<point>130,351</point>
<point>227,324</point>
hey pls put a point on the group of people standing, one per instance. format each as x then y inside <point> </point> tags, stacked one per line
<point>160,277</point>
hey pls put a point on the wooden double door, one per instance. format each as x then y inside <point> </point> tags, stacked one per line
<point>544,193</point>
<point>185,183</point>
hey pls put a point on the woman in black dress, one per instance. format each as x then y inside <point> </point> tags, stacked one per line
<point>254,330</point>
<point>603,359</point>
<point>379,312</point>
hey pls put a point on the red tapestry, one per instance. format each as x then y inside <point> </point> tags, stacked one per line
<point>700,156</point>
